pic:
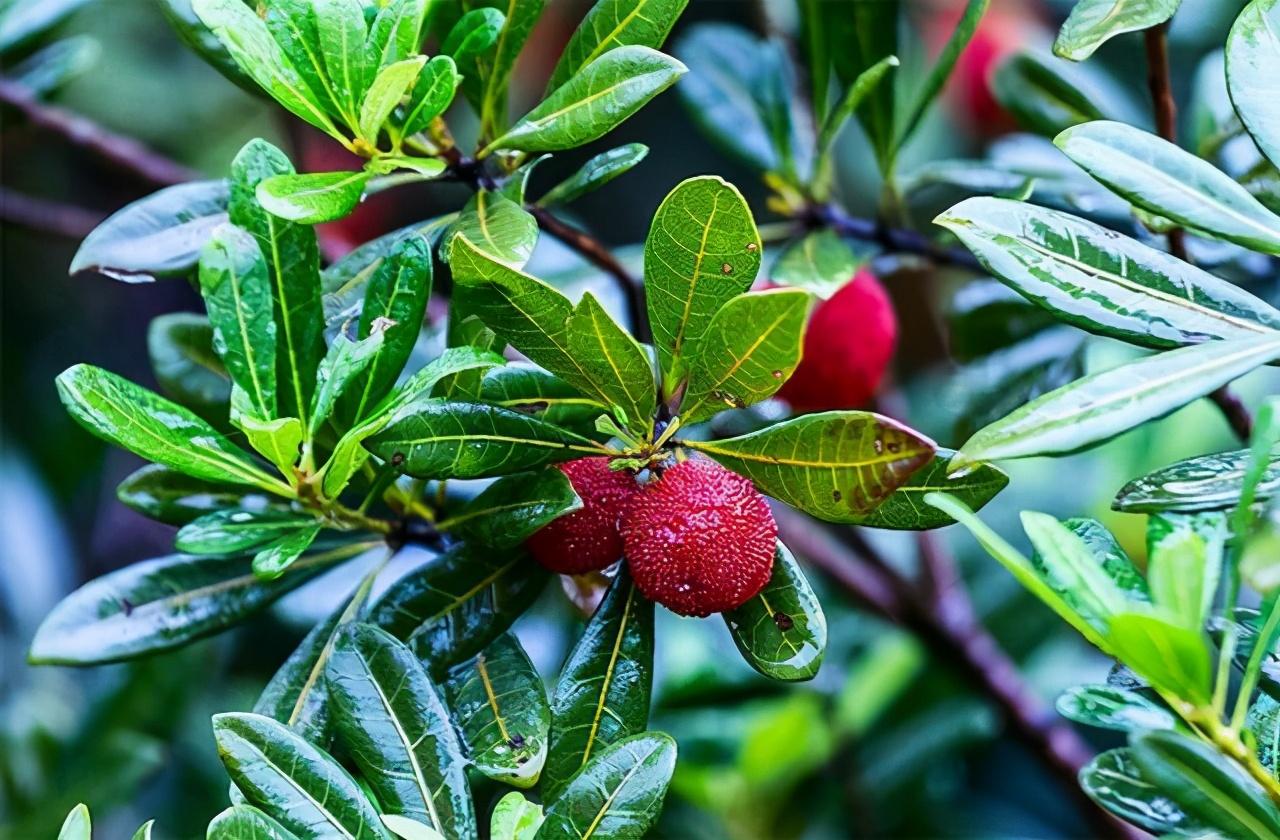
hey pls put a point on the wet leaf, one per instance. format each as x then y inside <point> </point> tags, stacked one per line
<point>618,795</point>
<point>233,531</point>
<point>596,172</point>
<point>515,818</point>
<point>1205,482</point>
<point>620,369</point>
<point>1115,782</point>
<point>904,509</point>
<point>182,358</point>
<point>1253,62</point>
<point>820,263</point>
<point>1113,708</point>
<point>390,86</point>
<point>313,197</point>
<point>1094,22</point>
<point>174,498</point>
<point>432,93</point>
<point>537,393</point>
<point>781,632</point>
<point>496,225</point>
<point>615,23</point>
<point>273,559</point>
<point>245,822</point>
<point>513,508</point>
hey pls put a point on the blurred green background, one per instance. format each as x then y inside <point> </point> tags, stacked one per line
<point>886,742</point>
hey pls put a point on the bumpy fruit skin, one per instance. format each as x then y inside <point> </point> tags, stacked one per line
<point>586,540</point>
<point>700,539</point>
<point>847,348</point>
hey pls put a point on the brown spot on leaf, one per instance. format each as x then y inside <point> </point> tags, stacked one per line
<point>752,247</point>
<point>784,621</point>
<point>836,495</point>
<point>516,742</point>
<point>725,268</point>
<point>397,459</point>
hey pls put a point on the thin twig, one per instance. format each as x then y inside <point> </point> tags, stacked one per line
<point>54,217</point>
<point>894,240</point>
<point>1166,115</point>
<point>124,152</point>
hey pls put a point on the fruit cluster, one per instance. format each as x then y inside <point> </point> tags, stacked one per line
<point>697,538</point>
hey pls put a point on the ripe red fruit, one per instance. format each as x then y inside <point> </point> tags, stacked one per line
<point>700,539</point>
<point>847,348</point>
<point>586,540</point>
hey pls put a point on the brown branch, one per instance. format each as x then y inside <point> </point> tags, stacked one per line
<point>893,240</point>
<point>124,152</point>
<point>1166,115</point>
<point>957,640</point>
<point>53,217</point>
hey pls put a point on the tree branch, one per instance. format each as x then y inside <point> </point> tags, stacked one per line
<point>65,220</point>
<point>895,240</point>
<point>1156,42</point>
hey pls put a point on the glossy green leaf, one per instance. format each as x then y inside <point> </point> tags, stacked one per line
<point>432,93</point>
<point>1183,565</point>
<point>23,23</point>
<point>1042,96</point>
<point>475,32</point>
<point>616,23</point>
<point>342,32</point>
<point>749,349</point>
<point>408,829</point>
<point>77,825</point>
<point>1264,722</point>
<point>515,818</point>
<point>1072,569</point>
<point>862,87</point>
<point>820,262</point>
<point>1170,657</point>
<point>1253,65</point>
<point>1205,784</point>
<point>396,33</point>
<point>451,608</point>
<point>513,508</point>
<point>391,85</point>
<point>237,294</point>
<point>314,197</point>
<point>595,101</point>
<point>302,787</point>
<point>1102,405</point>
<point>618,795</point>
<point>1113,780</point>
<point>602,696</point>
<point>174,498</point>
<point>837,465</point>
<point>781,632</point>
<point>519,18</point>
<point>1205,482</point>
<point>443,439</point>
<point>702,251</point>
<point>961,36</point>
<point>1092,278</point>
<point>1159,177</point>
<point>904,509</point>
<point>294,28</point>
<point>391,719</point>
<point>1107,554</point>
<point>273,559</point>
<point>160,604</point>
<point>340,370</point>
<point>233,531</point>
<point>245,822</point>
<point>293,264</point>
<point>395,304</point>
<point>157,236</point>
<point>250,44</point>
<point>861,34</point>
<point>496,225</point>
<point>595,173</point>
<point>537,393</point>
<point>619,368</point>
<point>130,416</point>
<point>185,365</point>
<point>1113,708</point>
<point>279,441</point>
<point>1094,22</point>
<point>500,704</point>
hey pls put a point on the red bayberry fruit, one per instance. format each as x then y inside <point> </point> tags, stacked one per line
<point>700,539</point>
<point>847,348</point>
<point>586,540</point>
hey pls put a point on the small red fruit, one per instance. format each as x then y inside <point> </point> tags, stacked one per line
<point>700,539</point>
<point>847,348</point>
<point>586,540</point>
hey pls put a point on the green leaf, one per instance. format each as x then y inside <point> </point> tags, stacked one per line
<point>180,345</point>
<point>161,604</point>
<point>340,25</point>
<point>474,33</point>
<point>602,696</point>
<point>390,86</point>
<point>501,707</point>
<point>862,87</point>
<point>515,818</point>
<point>597,171</point>
<point>131,417</point>
<point>293,26</point>
<point>496,225</point>
<point>1184,563</point>
<point>1109,707</point>
<point>616,23</point>
<point>1094,22</point>
<point>904,509</point>
<point>279,441</point>
<point>702,251</point>
<point>781,632</point>
<point>272,560</point>
<point>237,294</point>
<point>519,17</point>
<point>1107,554</point>
<point>595,101</point>
<point>293,263</point>
<point>819,262</point>
<point>234,531</point>
<point>171,497</point>
<point>408,829</point>
<point>619,368</point>
<point>535,392</point>
<point>313,198</point>
<point>618,795</point>
<point>1205,482</point>
<point>432,93</point>
<point>1157,176</point>
<point>1102,405</point>
<point>1264,722</point>
<point>1114,781</point>
<point>1073,571</point>
<point>342,368</point>
<point>513,508</point>
<point>749,349</point>
<point>391,720</point>
<point>157,236</point>
<point>451,608</point>
<point>942,68</point>
<point>434,438</point>
<point>245,822</point>
<point>862,34</point>
<point>1109,285</point>
<point>396,33</point>
<point>77,825</point>
<point>1253,60</point>
<point>837,466</point>
<point>21,24</point>
<point>247,38</point>
<point>395,303</point>
<point>1207,785</point>
<point>299,785</point>
<point>1170,657</point>
<point>1042,95</point>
